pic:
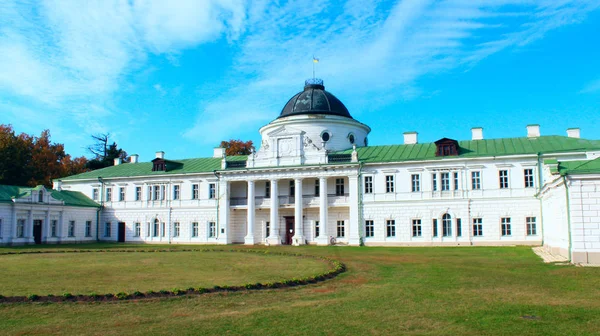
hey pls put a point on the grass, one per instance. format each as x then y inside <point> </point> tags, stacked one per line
<point>104,272</point>
<point>412,291</point>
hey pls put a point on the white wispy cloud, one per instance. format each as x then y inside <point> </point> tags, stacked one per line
<point>591,87</point>
<point>70,58</point>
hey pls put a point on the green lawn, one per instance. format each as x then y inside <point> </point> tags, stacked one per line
<point>414,291</point>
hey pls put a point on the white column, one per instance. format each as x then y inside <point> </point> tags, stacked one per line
<point>28,229</point>
<point>223,227</point>
<point>46,226</point>
<point>323,238</point>
<point>354,227</point>
<point>274,237</point>
<point>12,231</point>
<point>298,238</point>
<point>249,239</point>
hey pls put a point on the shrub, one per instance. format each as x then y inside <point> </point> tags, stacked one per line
<point>164,291</point>
<point>33,297</point>
<point>138,293</point>
<point>94,296</point>
<point>121,295</point>
<point>68,295</point>
<point>201,290</point>
<point>178,291</point>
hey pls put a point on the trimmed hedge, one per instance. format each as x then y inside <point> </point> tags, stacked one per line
<point>338,268</point>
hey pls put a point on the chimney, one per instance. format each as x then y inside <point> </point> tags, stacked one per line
<point>118,161</point>
<point>134,158</point>
<point>410,138</point>
<point>218,152</point>
<point>160,155</point>
<point>57,185</point>
<point>533,131</point>
<point>477,133</point>
<point>573,132</point>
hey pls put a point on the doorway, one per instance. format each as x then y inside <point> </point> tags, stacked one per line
<point>121,232</point>
<point>37,231</point>
<point>289,230</point>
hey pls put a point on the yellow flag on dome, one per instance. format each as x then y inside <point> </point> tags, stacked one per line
<point>315,60</point>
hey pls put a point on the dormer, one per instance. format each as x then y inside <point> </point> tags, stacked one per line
<point>159,164</point>
<point>446,147</point>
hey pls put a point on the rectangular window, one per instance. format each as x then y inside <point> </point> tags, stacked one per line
<point>368,184</point>
<point>212,229</point>
<point>138,193</point>
<point>475,180</point>
<point>155,229</point>
<point>148,229</point>
<point>416,182</point>
<point>317,188</point>
<point>341,229</point>
<point>389,183</point>
<point>268,189</point>
<point>369,228</point>
<point>528,173</point>
<point>434,182</point>
<point>176,229</point>
<point>458,227</point>
<point>339,187</point>
<point>435,228</point>
<point>317,229</point>
<point>95,194</point>
<point>195,229</point>
<point>149,195</point>
<point>268,229</point>
<point>445,177</point>
<point>390,227</point>
<point>20,228</point>
<point>477,227</point>
<point>212,193</point>
<point>455,180</point>
<point>162,229</point>
<point>88,228</point>
<point>416,228</point>
<point>108,194</point>
<point>156,193</point>
<point>71,231</point>
<point>506,229</point>
<point>503,176</point>
<point>176,191</point>
<point>107,229</point>
<point>53,228</point>
<point>138,229</point>
<point>163,192</point>
<point>121,194</point>
<point>195,191</point>
<point>531,226</point>
<point>292,188</point>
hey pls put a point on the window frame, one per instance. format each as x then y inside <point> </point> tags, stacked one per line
<point>390,228</point>
<point>88,228</point>
<point>368,184</point>
<point>529,179</point>
<point>176,229</point>
<point>445,181</point>
<point>20,231</point>
<point>137,229</point>
<point>476,180</point>
<point>369,228</point>
<point>340,186</point>
<point>108,195</point>
<point>503,181</point>
<point>212,190</point>
<point>71,229</point>
<point>212,229</point>
<point>107,229</point>
<point>176,192</point>
<point>195,191</point>
<point>505,227</point>
<point>53,228</point>
<point>477,226</point>
<point>415,181</point>
<point>341,229</point>
<point>95,194</point>
<point>434,223</point>
<point>389,184</point>
<point>138,193</point>
<point>417,227</point>
<point>267,189</point>
<point>434,184</point>
<point>447,225</point>
<point>195,230</point>
<point>531,225</point>
<point>317,188</point>
<point>121,194</point>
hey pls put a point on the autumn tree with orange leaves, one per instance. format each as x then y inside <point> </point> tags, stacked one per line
<point>237,147</point>
<point>27,160</point>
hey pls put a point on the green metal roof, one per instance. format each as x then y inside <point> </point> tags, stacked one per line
<point>579,167</point>
<point>186,166</point>
<point>476,148</point>
<point>371,154</point>
<point>71,198</point>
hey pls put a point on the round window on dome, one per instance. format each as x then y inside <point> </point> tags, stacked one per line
<point>325,136</point>
<point>351,138</point>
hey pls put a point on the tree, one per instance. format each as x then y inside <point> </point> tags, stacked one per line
<point>104,154</point>
<point>30,160</point>
<point>237,147</point>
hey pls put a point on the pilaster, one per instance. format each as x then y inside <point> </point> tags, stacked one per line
<point>323,238</point>
<point>354,227</point>
<point>274,237</point>
<point>298,238</point>
<point>223,228</point>
<point>249,239</point>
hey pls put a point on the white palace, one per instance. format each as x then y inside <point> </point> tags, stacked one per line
<point>316,180</point>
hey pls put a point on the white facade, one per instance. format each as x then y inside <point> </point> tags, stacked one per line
<point>298,188</point>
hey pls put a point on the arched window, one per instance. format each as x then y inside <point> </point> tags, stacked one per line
<point>447,225</point>
<point>156,225</point>
<point>41,196</point>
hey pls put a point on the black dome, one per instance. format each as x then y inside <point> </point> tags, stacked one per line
<point>314,100</point>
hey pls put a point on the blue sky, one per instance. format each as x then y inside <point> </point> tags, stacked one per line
<point>182,76</point>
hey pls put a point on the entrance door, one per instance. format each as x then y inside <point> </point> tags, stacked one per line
<point>37,231</point>
<point>121,232</point>
<point>289,230</point>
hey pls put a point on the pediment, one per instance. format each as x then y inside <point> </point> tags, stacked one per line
<point>285,131</point>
